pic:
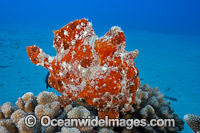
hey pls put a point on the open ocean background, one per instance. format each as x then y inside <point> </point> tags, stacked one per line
<point>166,32</point>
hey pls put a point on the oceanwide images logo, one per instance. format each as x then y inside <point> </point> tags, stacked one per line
<point>30,122</point>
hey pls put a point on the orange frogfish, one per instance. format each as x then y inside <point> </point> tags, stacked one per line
<point>96,69</point>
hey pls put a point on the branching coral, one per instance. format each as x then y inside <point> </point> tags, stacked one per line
<point>99,70</point>
<point>8,125</point>
<point>79,109</point>
<point>80,112</point>
<point>51,109</point>
<point>15,120</point>
<point>17,115</point>
<point>46,97</point>
<point>7,109</point>
<point>27,96</point>
<point>27,103</point>
<point>149,104</point>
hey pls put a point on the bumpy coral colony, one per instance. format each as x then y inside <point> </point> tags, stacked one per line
<point>99,70</point>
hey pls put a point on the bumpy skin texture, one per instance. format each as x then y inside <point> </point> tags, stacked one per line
<point>99,70</point>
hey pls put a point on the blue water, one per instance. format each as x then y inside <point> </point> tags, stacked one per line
<point>167,34</point>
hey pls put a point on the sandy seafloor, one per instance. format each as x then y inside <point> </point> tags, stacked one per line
<point>171,62</point>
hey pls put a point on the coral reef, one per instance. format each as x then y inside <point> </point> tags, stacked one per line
<point>46,97</point>
<point>8,125</point>
<point>79,112</point>
<point>22,128</point>
<point>17,115</point>
<point>27,102</point>
<point>149,104</point>
<point>7,109</point>
<point>50,109</point>
<point>27,96</point>
<point>193,122</point>
<point>99,70</point>
<point>15,121</point>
